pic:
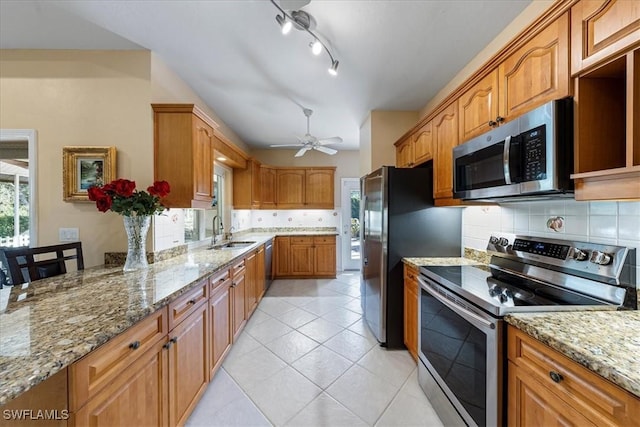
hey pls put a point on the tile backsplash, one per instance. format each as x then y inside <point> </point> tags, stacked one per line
<point>243,219</point>
<point>168,229</point>
<point>615,223</point>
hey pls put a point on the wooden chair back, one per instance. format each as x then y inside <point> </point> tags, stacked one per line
<point>51,261</point>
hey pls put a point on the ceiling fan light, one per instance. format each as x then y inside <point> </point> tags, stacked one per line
<point>316,47</point>
<point>334,68</point>
<point>285,24</point>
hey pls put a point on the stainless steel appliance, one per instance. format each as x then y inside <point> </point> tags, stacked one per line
<point>462,350</point>
<point>530,155</point>
<point>398,220</point>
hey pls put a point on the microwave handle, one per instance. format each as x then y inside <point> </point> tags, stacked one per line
<point>505,160</point>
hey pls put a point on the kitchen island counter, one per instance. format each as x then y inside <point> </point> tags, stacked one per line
<point>606,342</point>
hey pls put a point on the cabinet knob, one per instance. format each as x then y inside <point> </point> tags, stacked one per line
<point>134,345</point>
<point>499,119</point>
<point>174,340</point>
<point>556,377</point>
<point>492,123</point>
<point>167,345</point>
<point>191,301</point>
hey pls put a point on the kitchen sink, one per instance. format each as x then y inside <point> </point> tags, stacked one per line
<point>232,245</point>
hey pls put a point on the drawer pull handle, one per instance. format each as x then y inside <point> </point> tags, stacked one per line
<point>174,340</point>
<point>556,377</point>
<point>191,301</point>
<point>134,345</point>
<point>167,345</point>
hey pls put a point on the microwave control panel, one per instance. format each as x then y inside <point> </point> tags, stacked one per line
<point>535,156</point>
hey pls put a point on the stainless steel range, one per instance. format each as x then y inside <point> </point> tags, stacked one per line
<point>462,334</point>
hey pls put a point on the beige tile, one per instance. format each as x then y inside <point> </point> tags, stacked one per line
<point>239,413</point>
<point>243,345</point>
<point>274,306</point>
<point>409,410</point>
<point>393,365</point>
<point>354,305</point>
<point>349,344</point>
<point>342,316</point>
<point>325,411</point>
<point>320,306</point>
<point>283,395</point>
<point>322,366</point>
<point>320,330</point>
<point>268,330</point>
<point>220,393</point>
<point>253,367</point>
<point>297,317</point>
<point>257,317</point>
<point>363,393</point>
<point>360,327</point>
<point>291,346</point>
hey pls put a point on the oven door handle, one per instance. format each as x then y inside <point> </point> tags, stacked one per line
<point>469,316</point>
<point>505,160</point>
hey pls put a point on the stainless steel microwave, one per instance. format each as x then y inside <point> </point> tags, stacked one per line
<point>526,157</point>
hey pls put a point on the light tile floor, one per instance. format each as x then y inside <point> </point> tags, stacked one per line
<point>306,358</point>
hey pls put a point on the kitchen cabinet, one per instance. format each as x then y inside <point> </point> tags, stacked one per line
<point>183,154</point>
<point>535,73</point>
<point>601,29</point>
<point>404,153</point>
<point>260,272</point>
<point>247,187</point>
<point>238,296</point>
<point>251,299</point>
<point>268,187</point>
<point>416,148</point>
<point>220,332</point>
<point>548,388</point>
<point>411,295</point>
<point>305,256</point>
<point>305,188</point>
<point>445,132</point>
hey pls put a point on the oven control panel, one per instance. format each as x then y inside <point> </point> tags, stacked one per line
<point>552,250</point>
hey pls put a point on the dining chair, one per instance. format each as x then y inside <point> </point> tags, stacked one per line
<point>51,261</point>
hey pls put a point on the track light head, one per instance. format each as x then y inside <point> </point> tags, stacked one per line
<point>334,68</point>
<point>316,47</point>
<point>285,24</point>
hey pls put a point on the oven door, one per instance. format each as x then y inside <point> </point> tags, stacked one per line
<point>461,357</point>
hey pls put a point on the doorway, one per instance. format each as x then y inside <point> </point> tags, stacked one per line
<point>350,224</point>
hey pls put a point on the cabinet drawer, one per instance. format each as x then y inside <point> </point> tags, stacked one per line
<point>93,372</point>
<point>217,279</point>
<point>325,239</point>
<point>238,268</point>
<point>301,240</point>
<point>187,303</point>
<point>589,393</point>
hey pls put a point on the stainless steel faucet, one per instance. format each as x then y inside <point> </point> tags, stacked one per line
<point>215,230</point>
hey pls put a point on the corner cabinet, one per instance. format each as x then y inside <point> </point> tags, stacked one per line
<point>411,304</point>
<point>548,388</point>
<point>247,188</point>
<point>305,256</point>
<point>183,154</point>
<point>445,137</point>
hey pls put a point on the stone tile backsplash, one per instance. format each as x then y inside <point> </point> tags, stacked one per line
<point>168,229</point>
<point>293,218</point>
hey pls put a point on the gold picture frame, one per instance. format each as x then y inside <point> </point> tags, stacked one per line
<point>83,167</point>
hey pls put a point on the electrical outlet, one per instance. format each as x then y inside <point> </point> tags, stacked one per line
<point>68,234</point>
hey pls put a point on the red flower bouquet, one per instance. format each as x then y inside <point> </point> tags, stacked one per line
<point>121,197</point>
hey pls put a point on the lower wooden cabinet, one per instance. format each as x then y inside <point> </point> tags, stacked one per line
<point>548,388</point>
<point>411,295</point>
<point>251,297</point>
<point>220,308</point>
<point>305,256</point>
<point>238,296</point>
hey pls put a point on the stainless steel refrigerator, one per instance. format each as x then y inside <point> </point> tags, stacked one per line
<point>398,219</point>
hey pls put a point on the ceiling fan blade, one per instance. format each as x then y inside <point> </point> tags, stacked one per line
<point>286,145</point>
<point>332,140</point>
<point>325,150</point>
<point>301,151</point>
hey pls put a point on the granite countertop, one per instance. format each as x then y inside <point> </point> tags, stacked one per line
<point>426,261</point>
<point>606,342</point>
<point>48,324</point>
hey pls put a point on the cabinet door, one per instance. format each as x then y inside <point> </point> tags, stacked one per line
<point>238,295</point>
<point>260,273</point>
<point>478,107</point>
<point>290,188</point>
<point>136,397</point>
<point>536,73</point>
<point>251,300</point>
<point>256,187</point>
<point>220,325</point>
<point>281,259</point>
<point>301,252</point>
<point>188,364</point>
<point>203,160</point>
<point>422,142</point>
<point>532,404</point>
<point>411,311</point>
<point>319,188</point>
<point>445,130</point>
<point>268,187</point>
<point>246,186</point>
<point>600,29</point>
<point>404,154</point>
<point>325,256</point>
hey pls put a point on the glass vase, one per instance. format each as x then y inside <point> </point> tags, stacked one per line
<point>136,228</point>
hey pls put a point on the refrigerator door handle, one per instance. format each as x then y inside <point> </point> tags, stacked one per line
<point>363,231</point>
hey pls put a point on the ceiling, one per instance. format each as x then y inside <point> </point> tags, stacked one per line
<point>394,55</point>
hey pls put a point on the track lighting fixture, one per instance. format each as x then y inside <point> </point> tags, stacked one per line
<point>302,21</point>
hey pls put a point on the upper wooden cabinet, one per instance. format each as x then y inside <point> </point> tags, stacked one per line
<point>183,154</point>
<point>478,107</point>
<point>445,137</point>
<point>290,186</point>
<point>319,188</point>
<point>268,187</point>
<point>600,29</point>
<point>404,153</point>
<point>247,187</point>
<point>416,148</point>
<point>310,188</point>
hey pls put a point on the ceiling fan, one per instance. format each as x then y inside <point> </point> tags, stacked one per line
<point>310,142</point>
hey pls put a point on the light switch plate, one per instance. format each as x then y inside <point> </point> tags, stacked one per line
<point>68,234</point>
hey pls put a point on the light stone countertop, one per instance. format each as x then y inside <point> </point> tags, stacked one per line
<point>444,261</point>
<point>48,324</point>
<point>606,342</point>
